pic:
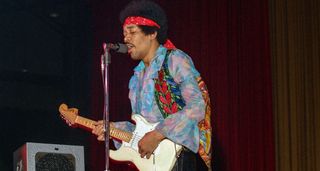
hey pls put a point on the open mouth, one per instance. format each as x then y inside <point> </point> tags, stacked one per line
<point>130,46</point>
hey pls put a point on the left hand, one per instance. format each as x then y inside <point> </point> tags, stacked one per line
<point>99,129</point>
<point>149,143</point>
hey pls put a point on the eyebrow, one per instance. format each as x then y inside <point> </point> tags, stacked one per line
<point>130,28</point>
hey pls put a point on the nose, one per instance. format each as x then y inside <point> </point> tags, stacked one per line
<point>126,38</point>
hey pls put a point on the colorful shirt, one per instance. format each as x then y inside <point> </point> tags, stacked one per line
<point>182,126</point>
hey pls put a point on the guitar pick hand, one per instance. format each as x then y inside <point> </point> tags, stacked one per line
<point>149,143</point>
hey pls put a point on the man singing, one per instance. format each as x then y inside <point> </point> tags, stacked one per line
<point>165,88</point>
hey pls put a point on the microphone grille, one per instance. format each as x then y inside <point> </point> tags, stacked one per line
<point>122,48</point>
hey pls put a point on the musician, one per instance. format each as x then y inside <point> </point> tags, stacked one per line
<point>162,67</point>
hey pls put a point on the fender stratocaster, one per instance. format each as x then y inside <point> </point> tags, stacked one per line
<point>163,158</point>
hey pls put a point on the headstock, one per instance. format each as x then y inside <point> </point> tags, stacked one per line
<point>68,114</point>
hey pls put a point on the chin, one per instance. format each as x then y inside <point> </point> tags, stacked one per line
<point>134,56</point>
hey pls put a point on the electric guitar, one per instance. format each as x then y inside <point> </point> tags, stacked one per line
<point>162,159</point>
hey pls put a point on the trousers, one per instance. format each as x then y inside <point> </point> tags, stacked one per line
<point>188,161</point>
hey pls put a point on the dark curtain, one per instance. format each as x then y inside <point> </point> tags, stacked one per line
<point>296,83</point>
<point>229,43</point>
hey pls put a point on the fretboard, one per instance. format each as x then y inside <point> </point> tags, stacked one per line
<point>114,132</point>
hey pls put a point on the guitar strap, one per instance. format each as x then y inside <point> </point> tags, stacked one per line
<point>169,100</point>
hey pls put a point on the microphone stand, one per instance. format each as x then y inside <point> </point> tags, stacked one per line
<point>105,61</point>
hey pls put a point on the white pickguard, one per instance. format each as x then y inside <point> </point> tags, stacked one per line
<point>164,156</point>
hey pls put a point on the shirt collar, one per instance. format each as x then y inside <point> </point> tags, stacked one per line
<point>156,62</point>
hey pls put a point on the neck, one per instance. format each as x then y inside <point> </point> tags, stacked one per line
<point>151,54</point>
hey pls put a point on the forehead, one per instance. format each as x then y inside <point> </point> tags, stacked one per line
<point>130,27</point>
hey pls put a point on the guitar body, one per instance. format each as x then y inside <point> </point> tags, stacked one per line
<point>164,156</point>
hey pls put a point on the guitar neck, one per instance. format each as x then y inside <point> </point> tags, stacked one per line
<point>114,132</point>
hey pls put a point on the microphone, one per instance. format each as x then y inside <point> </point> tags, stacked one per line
<point>118,47</point>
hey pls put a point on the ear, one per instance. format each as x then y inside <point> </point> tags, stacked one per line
<point>153,35</point>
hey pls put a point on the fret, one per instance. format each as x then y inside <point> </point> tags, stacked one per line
<point>85,122</point>
<point>119,134</point>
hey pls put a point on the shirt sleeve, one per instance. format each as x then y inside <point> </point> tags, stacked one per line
<point>182,127</point>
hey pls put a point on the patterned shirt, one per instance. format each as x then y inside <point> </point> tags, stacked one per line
<point>180,127</point>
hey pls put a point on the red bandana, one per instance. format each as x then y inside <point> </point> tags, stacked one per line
<point>146,22</point>
<point>140,21</point>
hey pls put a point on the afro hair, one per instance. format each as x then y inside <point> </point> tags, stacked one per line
<point>147,9</point>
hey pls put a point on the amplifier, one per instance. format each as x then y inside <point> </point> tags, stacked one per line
<point>48,157</point>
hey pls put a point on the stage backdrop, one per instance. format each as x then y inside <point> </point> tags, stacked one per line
<point>229,43</point>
